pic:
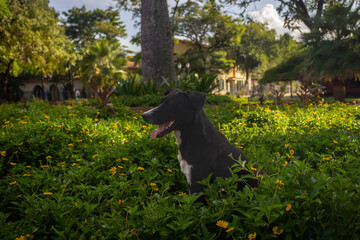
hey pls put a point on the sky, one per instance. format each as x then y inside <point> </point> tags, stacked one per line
<point>263,11</point>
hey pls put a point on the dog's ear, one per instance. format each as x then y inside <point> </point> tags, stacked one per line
<point>197,99</point>
<point>171,90</point>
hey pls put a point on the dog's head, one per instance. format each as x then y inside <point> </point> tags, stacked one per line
<point>176,109</point>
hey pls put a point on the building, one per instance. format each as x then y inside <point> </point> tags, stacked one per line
<point>233,82</point>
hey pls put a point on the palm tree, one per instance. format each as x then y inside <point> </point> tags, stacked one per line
<point>101,64</point>
<point>334,52</point>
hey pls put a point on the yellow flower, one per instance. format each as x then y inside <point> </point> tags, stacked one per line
<point>47,193</point>
<point>292,152</point>
<point>278,154</point>
<point>45,166</point>
<point>3,153</point>
<point>121,202</point>
<point>169,170</point>
<point>254,169</point>
<point>20,238</point>
<point>276,230</point>
<point>252,236</point>
<point>141,168</point>
<point>47,117</point>
<point>285,163</point>
<point>96,155</point>
<point>230,229</point>
<point>12,164</point>
<point>287,145</point>
<point>153,184</point>
<point>26,175</point>
<point>12,183</point>
<point>280,182</point>
<point>63,186</point>
<point>48,157</point>
<point>125,159</point>
<point>70,145</point>
<point>182,194</point>
<point>222,224</point>
<point>28,166</point>
<point>113,170</point>
<point>335,141</point>
<point>288,207</point>
<point>156,189</point>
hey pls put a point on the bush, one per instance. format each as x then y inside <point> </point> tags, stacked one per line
<point>154,100</point>
<point>74,172</point>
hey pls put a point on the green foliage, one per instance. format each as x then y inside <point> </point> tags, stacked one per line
<point>73,172</point>
<point>4,10</point>
<point>210,32</point>
<point>102,62</point>
<point>154,99</point>
<point>134,86</point>
<point>288,70</point>
<point>83,26</point>
<point>334,52</point>
<point>192,82</point>
<point>32,40</point>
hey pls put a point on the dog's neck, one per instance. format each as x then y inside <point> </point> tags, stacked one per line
<point>195,133</point>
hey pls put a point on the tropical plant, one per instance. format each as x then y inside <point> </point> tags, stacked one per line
<point>309,88</point>
<point>101,63</point>
<point>334,52</point>
<point>278,94</point>
<point>103,94</point>
<point>192,82</point>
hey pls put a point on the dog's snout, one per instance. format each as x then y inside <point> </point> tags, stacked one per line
<point>147,116</point>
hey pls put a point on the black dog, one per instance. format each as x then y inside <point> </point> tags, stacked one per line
<point>202,149</point>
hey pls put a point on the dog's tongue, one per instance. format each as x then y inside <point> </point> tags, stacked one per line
<point>159,130</point>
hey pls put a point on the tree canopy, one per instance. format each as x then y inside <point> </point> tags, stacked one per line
<point>85,26</point>
<point>30,36</point>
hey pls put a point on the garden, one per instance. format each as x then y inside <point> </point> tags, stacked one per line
<point>73,171</point>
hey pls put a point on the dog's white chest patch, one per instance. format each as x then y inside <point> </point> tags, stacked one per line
<point>185,167</point>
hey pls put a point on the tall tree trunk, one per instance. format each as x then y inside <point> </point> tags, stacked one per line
<point>4,80</point>
<point>157,46</point>
<point>339,90</point>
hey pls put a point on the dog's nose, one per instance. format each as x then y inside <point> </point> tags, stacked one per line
<point>145,117</point>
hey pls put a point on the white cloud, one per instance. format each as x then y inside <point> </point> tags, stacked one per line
<point>269,15</point>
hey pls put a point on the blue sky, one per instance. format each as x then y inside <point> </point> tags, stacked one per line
<point>263,11</point>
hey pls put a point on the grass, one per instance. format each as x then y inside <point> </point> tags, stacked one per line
<point>76,172</point>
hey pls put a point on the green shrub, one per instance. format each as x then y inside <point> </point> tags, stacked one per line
<point>74,172</point>
<point>154,100</point>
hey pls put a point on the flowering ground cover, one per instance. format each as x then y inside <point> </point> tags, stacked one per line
<point>75,172</point>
